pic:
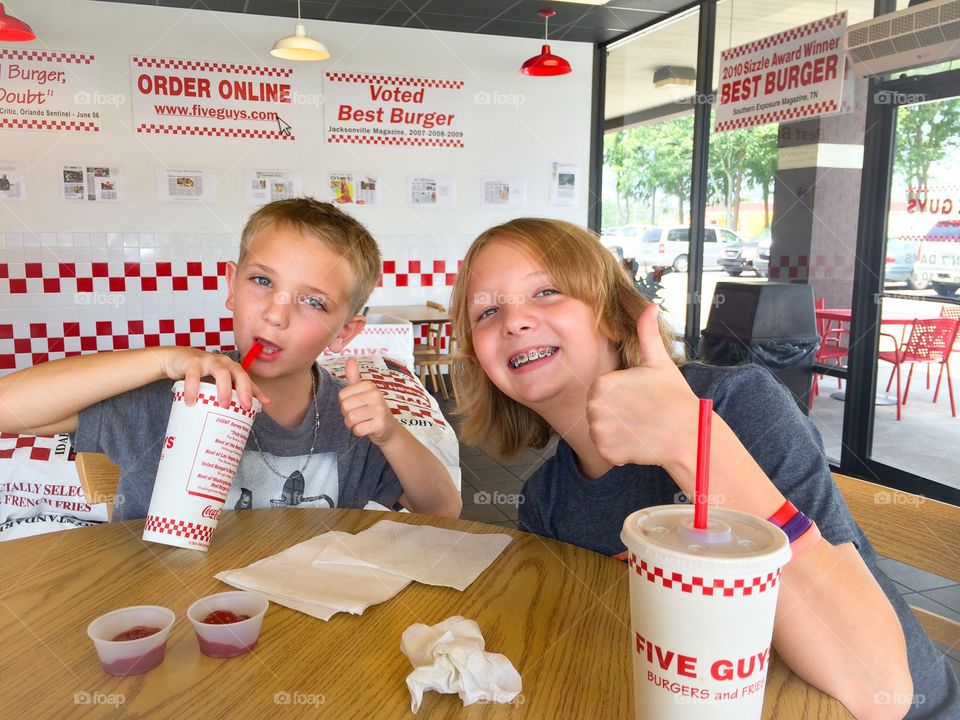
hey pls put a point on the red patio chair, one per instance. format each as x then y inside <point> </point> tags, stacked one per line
<point>831,350</point>
<point>947,311</point>
<point>930,341</point>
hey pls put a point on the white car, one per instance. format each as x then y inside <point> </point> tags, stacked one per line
<point>938,258</point>
<point>625,236</point>
<point>670,246</point>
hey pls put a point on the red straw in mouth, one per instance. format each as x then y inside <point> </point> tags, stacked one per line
<point>251,355</point>
<point>703,465</point>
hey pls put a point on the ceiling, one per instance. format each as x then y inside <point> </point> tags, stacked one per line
<point>512,18</point>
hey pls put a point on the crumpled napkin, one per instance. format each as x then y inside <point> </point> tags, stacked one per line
<point>449,658</point>
<point>289,578</point>
<point>429,555</point>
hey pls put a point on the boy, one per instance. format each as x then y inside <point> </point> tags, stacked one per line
<point>304,272</point>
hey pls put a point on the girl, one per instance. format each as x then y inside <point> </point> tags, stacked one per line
<point>555,339</point>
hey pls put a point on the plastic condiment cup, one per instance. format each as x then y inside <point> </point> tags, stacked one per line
<point>131,657</point>
<point>702,605</point>
<point>201,451</point>
<point>232,639</point>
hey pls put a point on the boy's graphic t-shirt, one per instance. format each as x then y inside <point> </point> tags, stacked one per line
<point>344,471</point>
<point>256,485</point>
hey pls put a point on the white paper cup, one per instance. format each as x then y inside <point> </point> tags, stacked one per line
<point>201,450</point>
<point>229,639</point>
<point>702,605</point>
<point>131,657</point>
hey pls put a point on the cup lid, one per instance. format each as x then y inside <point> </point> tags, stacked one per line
<point>729,534</point>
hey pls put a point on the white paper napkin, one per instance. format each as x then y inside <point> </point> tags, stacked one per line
<point>429,555</point>
<point>290,579</point>
<point>449,658</point>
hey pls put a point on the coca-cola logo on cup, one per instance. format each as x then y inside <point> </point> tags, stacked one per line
<point>211,512</point>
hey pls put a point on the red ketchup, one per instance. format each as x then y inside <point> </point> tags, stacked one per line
<point>138,663</point>
<point>136,632</point>
<point>223,617</point>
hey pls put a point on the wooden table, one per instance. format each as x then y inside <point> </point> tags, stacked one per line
<point>417,314</point>
<point>560,613</point>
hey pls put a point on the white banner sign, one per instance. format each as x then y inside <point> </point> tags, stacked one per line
<point>42,90</point>
<point>794,74</point>
<point>187,97</point>
<point>394,110</point>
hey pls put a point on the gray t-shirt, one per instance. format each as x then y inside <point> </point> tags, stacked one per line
<point>344,471</point>
<point>559,502</point>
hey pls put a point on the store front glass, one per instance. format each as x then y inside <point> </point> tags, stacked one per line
<point>648,157</point>
<point>920,307</point>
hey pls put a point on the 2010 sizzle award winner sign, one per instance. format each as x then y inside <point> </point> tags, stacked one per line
<point>794,74</point>
<point>198,98</point>
<point>44,90</point>
<point>394,110</point>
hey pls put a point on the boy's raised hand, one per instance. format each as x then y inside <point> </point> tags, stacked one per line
<point>190,365</point>
<point>646,415</point>
<point>363,408</point>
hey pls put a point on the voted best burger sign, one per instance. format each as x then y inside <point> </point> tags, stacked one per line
<point>187,97</point>
<point>370,109</point>
<point>794,74</point>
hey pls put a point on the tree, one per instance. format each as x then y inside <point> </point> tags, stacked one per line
<point>761,163</point>
<point>728,151</point>
<point>924,135</point>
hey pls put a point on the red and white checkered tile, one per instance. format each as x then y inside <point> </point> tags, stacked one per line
<point>63,294</point>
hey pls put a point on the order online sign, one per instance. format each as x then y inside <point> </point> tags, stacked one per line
<point>794,74</point>
<point>371,109</point>
<point>201,98</point>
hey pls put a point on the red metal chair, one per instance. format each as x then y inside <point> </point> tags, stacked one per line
<point>831,350</point>
<point>947,311</point>
<point>930,341</point>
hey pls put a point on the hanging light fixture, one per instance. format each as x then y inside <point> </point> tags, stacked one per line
<point>546,63</point>
<point>13,30</point>
<point>299,46</point>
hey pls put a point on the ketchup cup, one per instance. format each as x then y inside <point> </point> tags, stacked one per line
<point>134,656</point>
<point>228,639</point>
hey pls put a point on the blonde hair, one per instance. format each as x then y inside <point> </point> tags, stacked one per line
<point>345,235</point>
<point>580,267</point>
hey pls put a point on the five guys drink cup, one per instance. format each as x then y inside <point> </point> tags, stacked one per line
<point>201,451</point>
<point>703,594</point>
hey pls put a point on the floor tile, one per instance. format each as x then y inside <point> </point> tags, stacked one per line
<point>523,472</point>
<point>470,450</point>
<point>504,486</point>
<point>524,458</point>
<point>490,477</point>
<point>949,596</point>
<point>922,601</point>
<point>912,577</point>
<point>902,589</point>
<point>479,462</point>
<point>482,513</point>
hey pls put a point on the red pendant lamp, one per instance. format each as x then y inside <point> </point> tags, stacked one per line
<point>546,63</point>
<point>13,30</point>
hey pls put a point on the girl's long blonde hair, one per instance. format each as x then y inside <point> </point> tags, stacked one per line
<point>580,267</point>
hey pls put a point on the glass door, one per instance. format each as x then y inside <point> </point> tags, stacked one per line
<point>901,425</point>
<point>916,428</point>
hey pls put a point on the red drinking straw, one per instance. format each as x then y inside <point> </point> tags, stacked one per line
<point>251,355</point>
<point>703,465</point>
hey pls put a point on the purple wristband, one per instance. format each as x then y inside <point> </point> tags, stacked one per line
<point>796,526</point>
